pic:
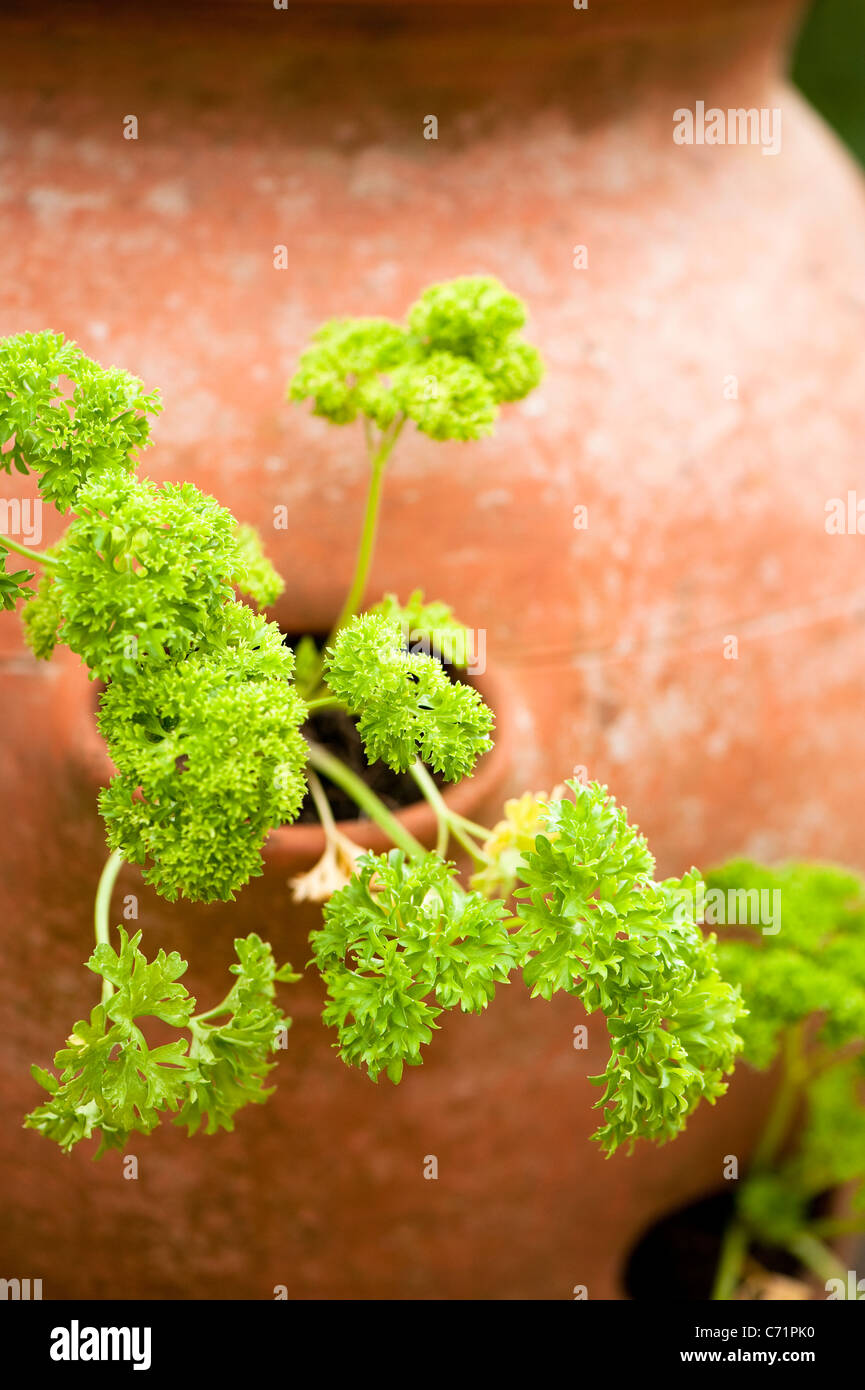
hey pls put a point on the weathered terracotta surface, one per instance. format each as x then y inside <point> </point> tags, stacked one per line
<point>706,520</point>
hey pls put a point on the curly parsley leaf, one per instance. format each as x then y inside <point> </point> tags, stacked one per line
<point>815,964</point>
<point>143,572</point>
<point>68,437</point>
<point>804,988</point>
<point>14,586</point>
<point>598,926</point>
<point>231,1056</point>
<point>475,318</point>
<point>408,708</point>
<point>462,357</point>
<point>112,1083</point>
<point>254,574</point>
<point>341,369</point>
<point>42,617</point>
<point>428,628</point>
<point>401,942</point>
<point>447,397</point>
<point>209,759</point>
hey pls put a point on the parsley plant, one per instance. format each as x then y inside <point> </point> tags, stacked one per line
<point>804,989</point>
<point>205,712</point>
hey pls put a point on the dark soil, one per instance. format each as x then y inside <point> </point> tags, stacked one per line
<point>337,733</point>
<point>676,1259</point>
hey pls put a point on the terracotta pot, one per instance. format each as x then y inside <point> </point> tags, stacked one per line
<point>705,520</point>
<point>322,1190</point>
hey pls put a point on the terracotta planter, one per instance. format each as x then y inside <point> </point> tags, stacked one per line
<point>705,520</point>
<point>323,1190</point>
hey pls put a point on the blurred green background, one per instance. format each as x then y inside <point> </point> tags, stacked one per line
<point>829,67</point>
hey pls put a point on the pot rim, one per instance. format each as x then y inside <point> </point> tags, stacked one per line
<point>289,845</point>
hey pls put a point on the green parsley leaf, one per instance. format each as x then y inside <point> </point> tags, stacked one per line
<point>408,708</point>
<point>598,926</point>
<point>430,628</point>
<point>209,759</point>
<point>67,437</point>
<point>401,942</point>
<point>112,1083</point>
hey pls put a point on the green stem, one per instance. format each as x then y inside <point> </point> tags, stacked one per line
<point>734,1248</point>
<point>38,556</point>
<point>838,1226</point>
<point>378,462</point>
<point>322,805</point>
<point>438,804</point>
<point>786,1099</point>
<point>480,831</point>
<point>102,908</point>
<point>817,1257</point>
<point>325,702</point>
<point>337,772</point>
<point>222,1008</point>
<point>449,822</point>
<point>822,1060</point>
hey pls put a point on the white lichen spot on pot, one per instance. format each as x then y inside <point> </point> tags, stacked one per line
<point>533,407</point>
<point>168,199</point>
<point>51,203</point>
<point>242,268</point>
<point>374,176</point>
<point>525,756</point>
<point>90,152</point>
<point>497,497</point>
<point>718,743</point>
<point>623,737</point>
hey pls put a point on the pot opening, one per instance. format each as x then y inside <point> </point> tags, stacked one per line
<point>677,1258</point>
<point>337,733</point>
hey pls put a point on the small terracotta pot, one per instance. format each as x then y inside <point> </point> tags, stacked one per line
<point>293,848</point>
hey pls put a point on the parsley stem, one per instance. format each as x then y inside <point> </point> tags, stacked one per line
<point>479,831</point>
<point>336,771</point>
<point>378,460</point>
<point>223,1007</point>
<point>734,1246</point>
<point>450,822</point>
<point>438,804</point>
<point>326,702</point>
<point>37,556</point>
<point>816,1257</point>
<point>785,1101</point>
<point>102,909</point>
<point>322,805</point>
<point>832,1226</point>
